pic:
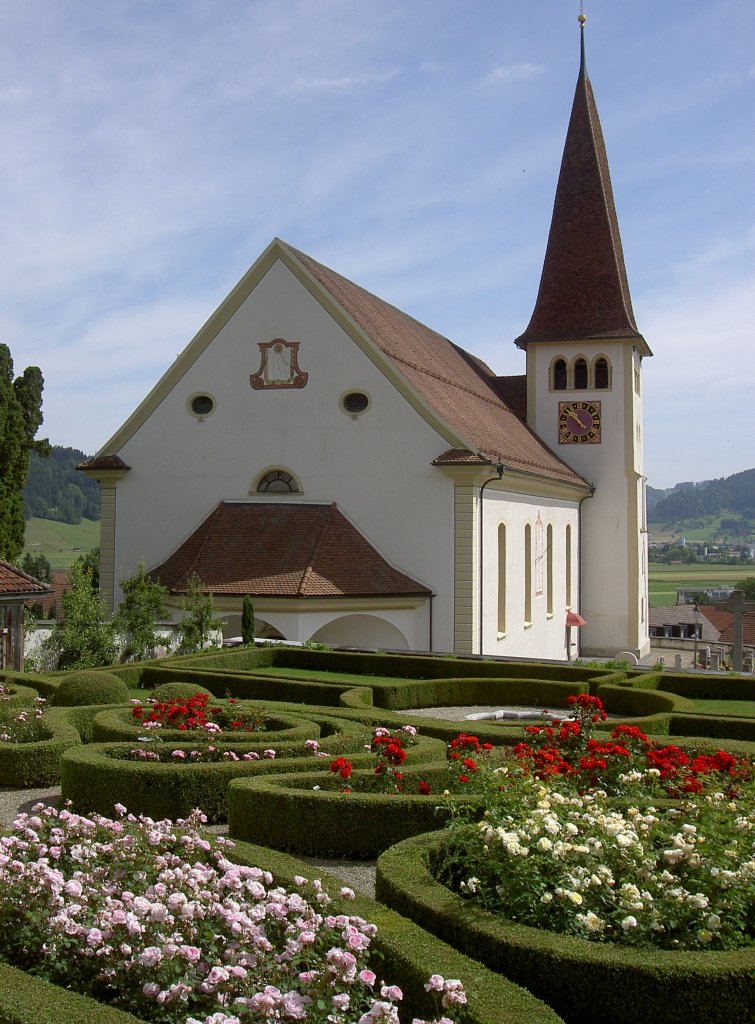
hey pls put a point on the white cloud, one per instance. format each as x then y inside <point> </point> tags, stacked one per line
<point>513,73</point>
<point>344,83</point>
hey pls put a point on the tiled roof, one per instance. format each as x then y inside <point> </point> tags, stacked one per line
<point>283,550</point>
<point>104,462</point>
<point>513,391</point>
<point>16,583</point>
<point>684,614</point>
<point>724,622</point>
<point>459,457</point>
<point>458,387</point>
<point>584,291</point>
<point>54,597</point>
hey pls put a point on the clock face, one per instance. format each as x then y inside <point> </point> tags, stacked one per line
<point>579,422</point>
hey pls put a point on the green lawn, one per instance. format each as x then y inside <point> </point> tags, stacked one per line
<point>61,543</point>
<point>664,580</point>
<point>739,708</point>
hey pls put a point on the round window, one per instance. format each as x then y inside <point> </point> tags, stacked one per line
<point>355,402</point>
<point>202,405</point>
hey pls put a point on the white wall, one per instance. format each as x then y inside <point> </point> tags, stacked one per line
<point>545,635</point>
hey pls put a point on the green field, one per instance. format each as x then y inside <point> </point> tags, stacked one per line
<point>700,529</point>
<point>61,543</point>
<point>665,579</point>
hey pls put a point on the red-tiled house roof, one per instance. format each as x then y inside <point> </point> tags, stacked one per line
<point>283,550</point>
<point>724,623</point>
<point>14,583</point>
<point>584,292</point>
<point>460,389</point>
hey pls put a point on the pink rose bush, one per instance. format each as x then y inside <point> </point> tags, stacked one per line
<point>19,724</point>
<point>154,917</point>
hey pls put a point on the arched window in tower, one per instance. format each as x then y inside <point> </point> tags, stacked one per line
<point>527,574</point>
<point>549,568</point>
<point>559,375</point>
<point>567,567</point>
<point>602,373</point>
<point>501,579</point>
<point>580,374</point>
<point>277,481</point>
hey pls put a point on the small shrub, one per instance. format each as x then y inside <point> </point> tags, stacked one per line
<point>81,688</point>
<point>178,691</point>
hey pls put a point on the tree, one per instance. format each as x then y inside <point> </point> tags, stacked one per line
<point>747,586</point>
<point>91,562</point>
<point>143,603</point>
<point>37,566</point>
<point>20,419</point>
<point>247,621</point>
<point>83,638</point>
<point>199,620</point>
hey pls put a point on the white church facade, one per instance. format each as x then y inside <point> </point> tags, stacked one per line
<point>369,483</point>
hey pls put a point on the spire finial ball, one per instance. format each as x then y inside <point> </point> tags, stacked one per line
<point>582,18</point>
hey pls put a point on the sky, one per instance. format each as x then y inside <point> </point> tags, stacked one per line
<point>151,150</point>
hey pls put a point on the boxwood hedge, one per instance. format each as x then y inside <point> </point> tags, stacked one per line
<point>586,982</point>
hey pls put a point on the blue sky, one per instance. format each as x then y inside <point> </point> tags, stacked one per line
<point>153,148</point>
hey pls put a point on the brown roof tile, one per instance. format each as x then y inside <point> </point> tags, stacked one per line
<point>584,291</point>
<point>104,462</point>
<point>724,622</point>
<point>14,582</point>
<point>283,550</point>
<point>456,385</point>
<point>684,614</point>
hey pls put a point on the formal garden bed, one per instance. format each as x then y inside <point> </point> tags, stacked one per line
<point>337,765</point>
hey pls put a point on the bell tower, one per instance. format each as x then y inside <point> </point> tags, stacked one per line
<point>584,384</point>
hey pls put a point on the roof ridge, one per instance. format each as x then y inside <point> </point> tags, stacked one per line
<point>309,571</point>
<point>206,537</point>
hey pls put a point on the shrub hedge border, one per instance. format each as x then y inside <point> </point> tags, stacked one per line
<point>632,986</point>
<point>39,763</point>
<point>95,777</point>
<point>286,812</point>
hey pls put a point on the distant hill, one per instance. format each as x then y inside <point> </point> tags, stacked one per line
<point>55,490</point>
<point>712,509</point>
<point>734,494</point>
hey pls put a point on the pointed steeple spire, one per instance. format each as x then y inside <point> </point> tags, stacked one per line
<point>584,293</point>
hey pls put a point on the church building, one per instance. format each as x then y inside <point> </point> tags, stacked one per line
<point>369,483</point>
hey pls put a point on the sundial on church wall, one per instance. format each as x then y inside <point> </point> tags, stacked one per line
<point>279,366</point>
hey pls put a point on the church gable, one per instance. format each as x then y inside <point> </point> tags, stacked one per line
<point>455,393</point>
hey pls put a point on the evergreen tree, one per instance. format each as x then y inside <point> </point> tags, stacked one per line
<point>247,621</point>
<point>37,566</point>
<point>20,419</point>
<point>83,638</point>
<point>143,603</point>
<point>199,620</point>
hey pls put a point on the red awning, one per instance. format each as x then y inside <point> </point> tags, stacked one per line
<point>575,619</point>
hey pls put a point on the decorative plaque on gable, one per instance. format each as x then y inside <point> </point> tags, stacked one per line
<point>279,366</point>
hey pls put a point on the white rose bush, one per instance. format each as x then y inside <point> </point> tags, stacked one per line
<point>611,840</point>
